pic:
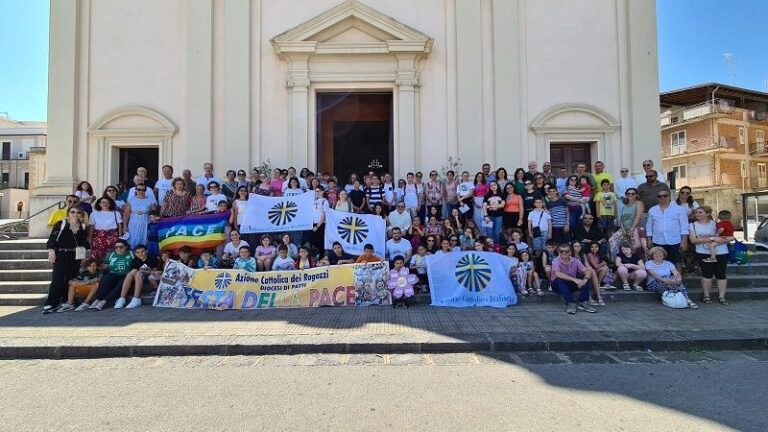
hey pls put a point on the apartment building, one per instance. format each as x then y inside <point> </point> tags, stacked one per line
<point>713,136</point>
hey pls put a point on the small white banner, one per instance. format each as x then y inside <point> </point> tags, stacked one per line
<point>354,231</point>
<point>461,279</point>
<point>278,214</point>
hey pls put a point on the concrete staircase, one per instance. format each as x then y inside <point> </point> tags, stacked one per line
<point>25,275</point>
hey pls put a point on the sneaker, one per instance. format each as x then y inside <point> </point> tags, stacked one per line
<point>601,302</point>
<point>570,308</point>
<point>638,288</point>
<point>120,303</point>
<point>83,306</point>
<point>593,302</point>
<point>539,292</point>
<point>626,287</point>
<point>135,302</point>
<point>48,309</point>
<point>586,307</point>
<point>65,307</point>
<point>99,305</point>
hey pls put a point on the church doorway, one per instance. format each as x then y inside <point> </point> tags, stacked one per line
<point>568,155</point>
<point>132,158</point>
<point>354,133</point>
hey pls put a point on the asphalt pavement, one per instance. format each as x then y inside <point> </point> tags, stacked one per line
<point>629,391</point>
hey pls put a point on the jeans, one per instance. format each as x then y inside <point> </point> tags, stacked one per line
<point>574,214</point>
<point>447,208</point>
<point>564,287</point>
<point>109,287</point>
<point>539,243</point>
<point>495,231</point>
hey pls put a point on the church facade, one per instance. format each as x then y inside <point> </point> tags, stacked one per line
<point>339,85</point>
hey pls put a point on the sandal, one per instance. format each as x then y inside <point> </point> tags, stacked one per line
<point>693,305</point>
<point>706,300</point>
<point>539,292</point>
<point>723,301</point>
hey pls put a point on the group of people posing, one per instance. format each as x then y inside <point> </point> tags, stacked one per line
<point>577,231</point>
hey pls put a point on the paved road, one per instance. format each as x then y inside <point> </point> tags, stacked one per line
<point>524,391</point>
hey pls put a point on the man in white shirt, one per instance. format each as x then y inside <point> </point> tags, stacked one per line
<point>623,183</point>
<point>647,168</point>
<point>400,218</point>
<point>398,246</point>
<point>668,227</point>
<point>318,219</point>
<point>292,173</point>
<point>208,177</point>
<point>164,185</point>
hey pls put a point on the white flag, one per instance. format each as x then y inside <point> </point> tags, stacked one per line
<point>278,214</point>
<point>460,279</point>
<point>354,231</point>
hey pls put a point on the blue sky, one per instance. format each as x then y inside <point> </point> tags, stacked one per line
<point>713,40</point>
<point>699,41</point>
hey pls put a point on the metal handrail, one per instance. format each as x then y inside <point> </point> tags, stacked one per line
<point>4,234</point>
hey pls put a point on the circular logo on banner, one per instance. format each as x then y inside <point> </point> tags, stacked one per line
<point>353,230</point>
<point>473,272</point>
<point>282,213</point>
<point>222,281</point>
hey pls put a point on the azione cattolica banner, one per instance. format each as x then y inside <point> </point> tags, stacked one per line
<point>343,285</point>
<point>278,214</point>
<point>199,232</point>
<point>354,231</point>
<point>461,279</point>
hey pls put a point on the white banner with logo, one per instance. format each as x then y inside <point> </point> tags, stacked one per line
<point>461,279</point>
<point>354,231</point>
<point>278,214</point>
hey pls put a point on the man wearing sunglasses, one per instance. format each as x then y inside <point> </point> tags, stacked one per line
<point>649,190</point>
<point>668,227</point>
<point>647,168</point>
<point>571,275</point>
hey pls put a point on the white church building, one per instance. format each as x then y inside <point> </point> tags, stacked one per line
<point>335,85</point>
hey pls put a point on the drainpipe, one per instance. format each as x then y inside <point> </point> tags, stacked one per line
<point>713,94</point>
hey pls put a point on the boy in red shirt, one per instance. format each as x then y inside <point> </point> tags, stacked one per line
<point>725,229</point>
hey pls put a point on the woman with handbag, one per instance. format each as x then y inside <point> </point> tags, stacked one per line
<point>702,233</point>
<point>664,278</point>
<point>66,249</point>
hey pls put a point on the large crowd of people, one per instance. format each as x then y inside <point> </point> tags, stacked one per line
<point>583,231</point>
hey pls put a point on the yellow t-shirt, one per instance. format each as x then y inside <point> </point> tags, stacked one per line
<point>599,178</point>
<point>606,203</point>
<point>61,214</point>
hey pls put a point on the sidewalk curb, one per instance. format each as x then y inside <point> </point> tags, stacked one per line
<point>387,344</point>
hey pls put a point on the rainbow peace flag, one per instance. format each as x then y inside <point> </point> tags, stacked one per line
<point>199,232</point>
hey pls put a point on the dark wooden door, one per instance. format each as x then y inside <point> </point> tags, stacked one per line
<point>353,129</point>
<point>568,155</point>
<point>133,158</point>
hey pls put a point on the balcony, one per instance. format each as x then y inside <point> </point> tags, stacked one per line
<point>697,145</point>
<point>758,148</point>
<point>720,107</point>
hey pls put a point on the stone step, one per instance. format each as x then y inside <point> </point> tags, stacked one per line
<point>24,254</point>
<point>28,287</point>
<point>24,244</point>
<point>25,275</point>
<point>25,264</point>
<point>758,270</point>
<point>22,299</point>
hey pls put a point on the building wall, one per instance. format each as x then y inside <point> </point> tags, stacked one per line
<point>491,88</point>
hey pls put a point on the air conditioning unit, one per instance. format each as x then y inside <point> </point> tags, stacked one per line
<point>22,155</point>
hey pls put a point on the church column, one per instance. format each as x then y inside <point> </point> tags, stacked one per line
<point>298,106</point>
<point>408,82</point>
<point>237,84</point>
<point>62,102</point>
<point>197,129</point>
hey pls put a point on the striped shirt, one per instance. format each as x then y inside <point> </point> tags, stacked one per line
<point>375,194</point>
<point>557,210</point>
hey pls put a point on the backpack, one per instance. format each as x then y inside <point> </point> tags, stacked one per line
<point>738,254</point>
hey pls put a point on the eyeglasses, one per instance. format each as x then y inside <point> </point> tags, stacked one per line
<point>454,241</point>
<point>564,251</point>
<point>75,212</point>
<point>650,176</point>
<point>647,165</point>
<point>140,189</point>
<point>624,171</point>
<point>528,183</point>
<point>430,241</point>
<point>662,196</point>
